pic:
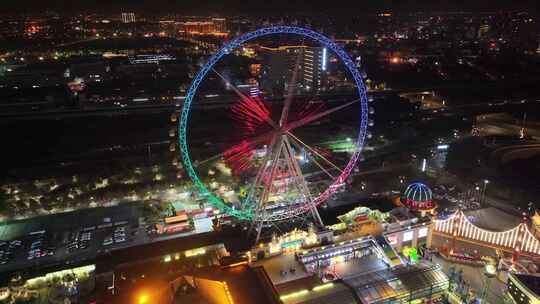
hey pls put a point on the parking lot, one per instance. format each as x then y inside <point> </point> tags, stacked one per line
<point>69,237</point>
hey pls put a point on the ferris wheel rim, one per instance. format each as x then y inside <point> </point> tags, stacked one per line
<point>201,75</point>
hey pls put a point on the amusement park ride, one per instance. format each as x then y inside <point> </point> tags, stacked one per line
<point>279,188</point>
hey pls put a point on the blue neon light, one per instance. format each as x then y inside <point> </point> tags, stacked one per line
<point>442,147</point>
<point>418,192</point>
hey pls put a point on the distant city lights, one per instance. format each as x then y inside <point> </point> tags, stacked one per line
<point>395,60</point>
<point>442,147</point>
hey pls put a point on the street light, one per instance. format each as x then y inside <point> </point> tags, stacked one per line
<point>143,299</point>
<point>490,271</point>
<point>530,208</point>
<point>484,191</point>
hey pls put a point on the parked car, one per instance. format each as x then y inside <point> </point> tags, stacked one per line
<point>108,241</point>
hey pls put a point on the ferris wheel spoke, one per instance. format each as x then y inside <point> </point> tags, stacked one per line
<point>290,93</point>
<point>309,119</point>
<point>240,156</point>
<point>314,160</point>
<point>294,167</point>
<point>301,182</point>
<point>247,144</point>
<point>243,97</point>
<point>268,183</point>
<point>298,140</point>
<point>261,171</point>
<point>210,159</point>
<point>265,137</point>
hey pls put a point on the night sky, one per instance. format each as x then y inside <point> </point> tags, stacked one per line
<point>269,6</point>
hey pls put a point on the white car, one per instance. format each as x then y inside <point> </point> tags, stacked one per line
<point>107,241</point>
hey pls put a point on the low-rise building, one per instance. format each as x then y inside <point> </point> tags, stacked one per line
<point>523,288</point>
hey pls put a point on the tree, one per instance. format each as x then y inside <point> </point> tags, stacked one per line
<point>151,212</point>
<point>34,205</point>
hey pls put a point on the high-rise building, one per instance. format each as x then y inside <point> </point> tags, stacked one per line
<point>128,17</point>
<point>220,25</point>
<point>278,65</point>
<point>276,68</point>
<point>313,68</point>
<point>252,90</point>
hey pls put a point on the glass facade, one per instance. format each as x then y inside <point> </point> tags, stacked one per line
<point>401,285</point>
<point>327,256</point>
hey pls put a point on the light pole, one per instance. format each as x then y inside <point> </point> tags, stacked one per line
<point>474,194</point>
<point>490,271</point>
<point>484,191</point>
<point>530,208</point>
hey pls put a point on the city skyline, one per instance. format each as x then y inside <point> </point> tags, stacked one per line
<point>278,152</point>
<point>319,7</point>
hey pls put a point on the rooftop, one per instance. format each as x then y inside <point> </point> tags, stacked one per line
<point>275,265</point>
<point>328,293</point>
<point>398,282</point>
<point>245,283</point>
<point>367,279</point>
<point>493,219</point>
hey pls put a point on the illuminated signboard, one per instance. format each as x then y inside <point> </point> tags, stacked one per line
<point>295,243</point>
<point>422,232</point>
<point>392,239</point>
<point>176,219</point>
<point>411,253</point>
<point>442,147</point>
<point>408,235</point>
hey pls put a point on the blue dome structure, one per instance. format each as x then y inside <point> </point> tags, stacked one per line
<point>418,196</point>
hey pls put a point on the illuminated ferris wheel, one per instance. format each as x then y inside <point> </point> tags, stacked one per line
<point>272,158</point>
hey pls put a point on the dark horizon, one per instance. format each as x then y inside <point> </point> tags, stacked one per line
<point>283,7</point>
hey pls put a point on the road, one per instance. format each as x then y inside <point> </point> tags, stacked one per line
<point>504,124</point>
<point>60,229</point>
